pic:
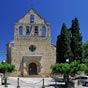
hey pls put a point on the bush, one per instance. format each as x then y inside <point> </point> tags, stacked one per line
<point>6,67</point>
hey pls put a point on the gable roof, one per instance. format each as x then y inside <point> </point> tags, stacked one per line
<point>35,12</point>
<point>32,9</point>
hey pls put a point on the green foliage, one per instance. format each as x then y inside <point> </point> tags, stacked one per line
<point>60,68</point>
<point>83,67</point>
<point>86,63</point>
<point>71,69</point>
<point>85,50</point>
<point>65,68</point>
<point>69,43</point>
<point>76,41</point>
<point>63,48</point>
<point>74,66</point>
<point>4,66</point>
<point>85,55</point>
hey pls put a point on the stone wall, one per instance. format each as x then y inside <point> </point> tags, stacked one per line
<point>26,48</point>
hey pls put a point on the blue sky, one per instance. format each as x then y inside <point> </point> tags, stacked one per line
<point>54,11</point>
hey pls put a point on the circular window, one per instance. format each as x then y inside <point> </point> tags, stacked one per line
<point>32,48</point>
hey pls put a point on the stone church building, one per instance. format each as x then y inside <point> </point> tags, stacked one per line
<point>31,51</point>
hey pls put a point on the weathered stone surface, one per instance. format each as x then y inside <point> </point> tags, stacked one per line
<point>27,49</point>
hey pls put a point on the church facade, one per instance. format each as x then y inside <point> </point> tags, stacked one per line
<point>31,51</point>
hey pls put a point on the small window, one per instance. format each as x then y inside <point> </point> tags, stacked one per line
<point>36,31</point>
<point>27,30</point>
<point>32,48</point>
<point>43,31</point>
<point>32,19</point>
<point>20,30</point>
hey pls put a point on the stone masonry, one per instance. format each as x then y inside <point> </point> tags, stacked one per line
<point>31,50</point>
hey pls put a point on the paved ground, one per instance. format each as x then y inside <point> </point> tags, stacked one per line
<point>82,86</point>
<point>30,82</point>
<point>33,83</point>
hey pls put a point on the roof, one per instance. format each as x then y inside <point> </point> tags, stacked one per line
<point>34,12</point>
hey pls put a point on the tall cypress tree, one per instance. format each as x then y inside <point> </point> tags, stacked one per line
<point>63,47</point>
<point>76,40</point>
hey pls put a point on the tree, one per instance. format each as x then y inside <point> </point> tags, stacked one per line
<point>85,50</point>
<point>85,55</point>
<point>76,41</point>
<point>63,48</point>
<point>68,69</point>
<point>5,67</point>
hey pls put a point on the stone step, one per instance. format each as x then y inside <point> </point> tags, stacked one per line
<point>34,76</point>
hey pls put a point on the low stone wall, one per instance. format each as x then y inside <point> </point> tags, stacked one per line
<point>14,74</point>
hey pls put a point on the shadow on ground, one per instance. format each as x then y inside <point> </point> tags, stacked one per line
<point>57,86</point>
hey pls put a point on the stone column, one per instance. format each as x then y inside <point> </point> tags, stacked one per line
<point>32,30</point>
<point>16,31</point>
<point>48,31</point>
<point>24,30</point>
<point>40,30</point>
<point>47,34</point>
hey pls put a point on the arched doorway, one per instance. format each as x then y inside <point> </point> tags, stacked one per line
<point>32,69</point>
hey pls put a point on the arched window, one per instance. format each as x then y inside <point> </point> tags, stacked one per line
<point>27,30</point>
<point>32,19</point>
<point>36,31</point>
<point>43,31</point>
<point>20,31</point>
